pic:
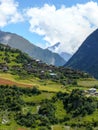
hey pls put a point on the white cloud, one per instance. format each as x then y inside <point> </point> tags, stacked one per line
<point>9,12</point>
<point>68,25</point>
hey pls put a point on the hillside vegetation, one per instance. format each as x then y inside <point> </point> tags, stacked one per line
<point>34,109</point>
<point>37,96</point>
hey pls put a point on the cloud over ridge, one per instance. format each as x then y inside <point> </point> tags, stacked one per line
<point>68,25</point>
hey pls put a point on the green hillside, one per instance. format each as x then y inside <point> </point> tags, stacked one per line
<point>36,96</point>
<point>15,62</point>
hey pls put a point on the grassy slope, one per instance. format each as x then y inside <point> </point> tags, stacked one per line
<point>60,112</point>
<point>88,83</point>
<point>38,98</point>
<point>46,85</point>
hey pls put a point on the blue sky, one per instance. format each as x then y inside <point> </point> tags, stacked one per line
<point>57,3</point>
<point>46,22</point>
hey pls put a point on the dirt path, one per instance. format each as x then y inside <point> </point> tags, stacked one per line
<point>11,83</point>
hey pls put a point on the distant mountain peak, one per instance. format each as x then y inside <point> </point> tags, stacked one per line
<point>54,46</point>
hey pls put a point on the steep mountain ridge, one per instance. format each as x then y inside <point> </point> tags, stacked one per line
<point>85,58</point>
<point>16,41</point>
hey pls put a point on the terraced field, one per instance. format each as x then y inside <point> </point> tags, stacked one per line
<point>47,85</point>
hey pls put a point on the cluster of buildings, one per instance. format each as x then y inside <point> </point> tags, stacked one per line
<point>92,91</point>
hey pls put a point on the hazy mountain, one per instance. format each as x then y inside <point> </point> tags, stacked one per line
<point>86,58</point>
<point>16,41</point>
<point>64,55</point>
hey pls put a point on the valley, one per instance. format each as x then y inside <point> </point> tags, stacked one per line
<point>48,65</point>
